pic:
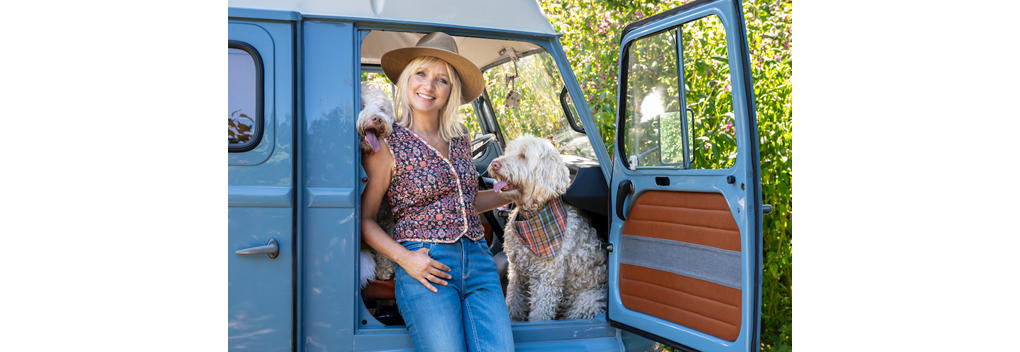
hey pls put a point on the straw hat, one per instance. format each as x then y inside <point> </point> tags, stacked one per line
<point>441,45</point>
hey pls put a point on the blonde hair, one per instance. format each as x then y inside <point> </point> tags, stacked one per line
<point>450,122</point>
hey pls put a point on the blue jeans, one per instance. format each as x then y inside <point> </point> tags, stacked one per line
<point>469,314</point>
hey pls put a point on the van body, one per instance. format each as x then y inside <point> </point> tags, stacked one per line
<point>676,199</point>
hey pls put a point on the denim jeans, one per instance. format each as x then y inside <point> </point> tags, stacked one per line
<point>469,314</point>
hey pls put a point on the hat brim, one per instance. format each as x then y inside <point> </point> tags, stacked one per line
<point>472,83</point>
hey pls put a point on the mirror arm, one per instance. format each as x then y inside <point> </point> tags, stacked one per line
<point>566,111</point>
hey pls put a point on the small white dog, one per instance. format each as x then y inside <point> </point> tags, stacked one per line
<point>375,121</point>
<point>557,264</point>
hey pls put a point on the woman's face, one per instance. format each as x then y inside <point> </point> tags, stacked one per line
<point>428,88</point>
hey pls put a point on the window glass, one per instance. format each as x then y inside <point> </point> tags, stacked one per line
<point>707,78</point>
<point>653,100</point>
<point>536,82</point>
<point>688,125</point>
<point>242,101</point>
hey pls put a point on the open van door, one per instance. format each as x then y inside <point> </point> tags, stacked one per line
<point>686,198</point>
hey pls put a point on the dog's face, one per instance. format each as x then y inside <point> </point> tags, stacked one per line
<point>375,121</point>
<point>530,172</point>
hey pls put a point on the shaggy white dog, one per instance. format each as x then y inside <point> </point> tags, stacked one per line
<point>375,121</point>
<point>567,280</point>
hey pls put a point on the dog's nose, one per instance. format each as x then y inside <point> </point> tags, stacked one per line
<point>495,165</point>
<point>375,119</point>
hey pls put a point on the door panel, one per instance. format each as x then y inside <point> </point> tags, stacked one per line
<point>685,183</point>
<point>260,191</point>
<point>699,285</point>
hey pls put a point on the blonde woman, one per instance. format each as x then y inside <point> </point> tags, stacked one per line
<point>447,286</point>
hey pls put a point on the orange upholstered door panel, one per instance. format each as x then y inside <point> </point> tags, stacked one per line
<point>680,261</point>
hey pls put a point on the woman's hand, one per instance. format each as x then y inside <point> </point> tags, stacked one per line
<point>425,269</point>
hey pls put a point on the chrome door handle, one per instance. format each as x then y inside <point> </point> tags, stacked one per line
<point>271,248</point>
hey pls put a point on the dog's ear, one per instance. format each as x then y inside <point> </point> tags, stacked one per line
<point>552,173</point>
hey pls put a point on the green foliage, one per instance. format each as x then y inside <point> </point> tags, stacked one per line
<point>539,114</point>
<point>591,40</point>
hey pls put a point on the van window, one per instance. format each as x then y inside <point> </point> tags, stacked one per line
<point>680,118</point>
<point>537,83</point>
<point>244,102</point>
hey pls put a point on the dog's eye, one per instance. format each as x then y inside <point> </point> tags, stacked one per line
<point>523,157</point>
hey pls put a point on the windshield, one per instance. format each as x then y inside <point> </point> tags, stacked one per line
<point>533,86</point>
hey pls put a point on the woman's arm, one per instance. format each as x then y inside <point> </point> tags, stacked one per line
<point>487,200</point>
<point>418,264</point>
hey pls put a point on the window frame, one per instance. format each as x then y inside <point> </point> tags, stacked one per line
<point>259,97</point>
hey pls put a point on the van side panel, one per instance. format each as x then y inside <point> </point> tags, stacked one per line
<point>260,201</point>
<point>330,177</point>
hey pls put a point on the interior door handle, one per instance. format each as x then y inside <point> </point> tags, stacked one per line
<point>271,248</point>
<point>625,188</point>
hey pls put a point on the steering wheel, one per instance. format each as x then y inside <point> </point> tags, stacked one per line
<point>479,144</point>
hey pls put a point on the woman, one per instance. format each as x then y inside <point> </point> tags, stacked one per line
<point>447,286</point>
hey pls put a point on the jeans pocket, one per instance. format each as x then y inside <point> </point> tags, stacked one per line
<point>415,246</point>
<point>484,247</point>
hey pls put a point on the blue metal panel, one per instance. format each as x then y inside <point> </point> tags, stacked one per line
<point>244,13</point>
<point>259,288</point>
<point>331,160</point>
<point>260,204</point>
<point>331,197</point>
<point>259,196</point>
<point>744,203</point>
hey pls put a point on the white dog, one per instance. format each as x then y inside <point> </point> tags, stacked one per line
<point>557,265</point>
<point>375,121</point>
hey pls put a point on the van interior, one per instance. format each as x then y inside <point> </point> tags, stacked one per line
<point>544,109</point>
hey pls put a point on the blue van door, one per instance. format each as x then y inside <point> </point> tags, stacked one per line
<point>260,239</point>
<point>686,223</point>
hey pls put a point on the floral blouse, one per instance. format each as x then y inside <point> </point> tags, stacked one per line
<point>433,198</point>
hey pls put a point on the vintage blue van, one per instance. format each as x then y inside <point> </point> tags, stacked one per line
<point>676,201</point>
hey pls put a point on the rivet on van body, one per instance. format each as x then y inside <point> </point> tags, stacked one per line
<point>364,179</point>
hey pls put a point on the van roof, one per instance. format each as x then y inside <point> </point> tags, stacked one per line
<point>511,15</point>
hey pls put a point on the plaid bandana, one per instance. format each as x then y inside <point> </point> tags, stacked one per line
<point>542,231</point>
